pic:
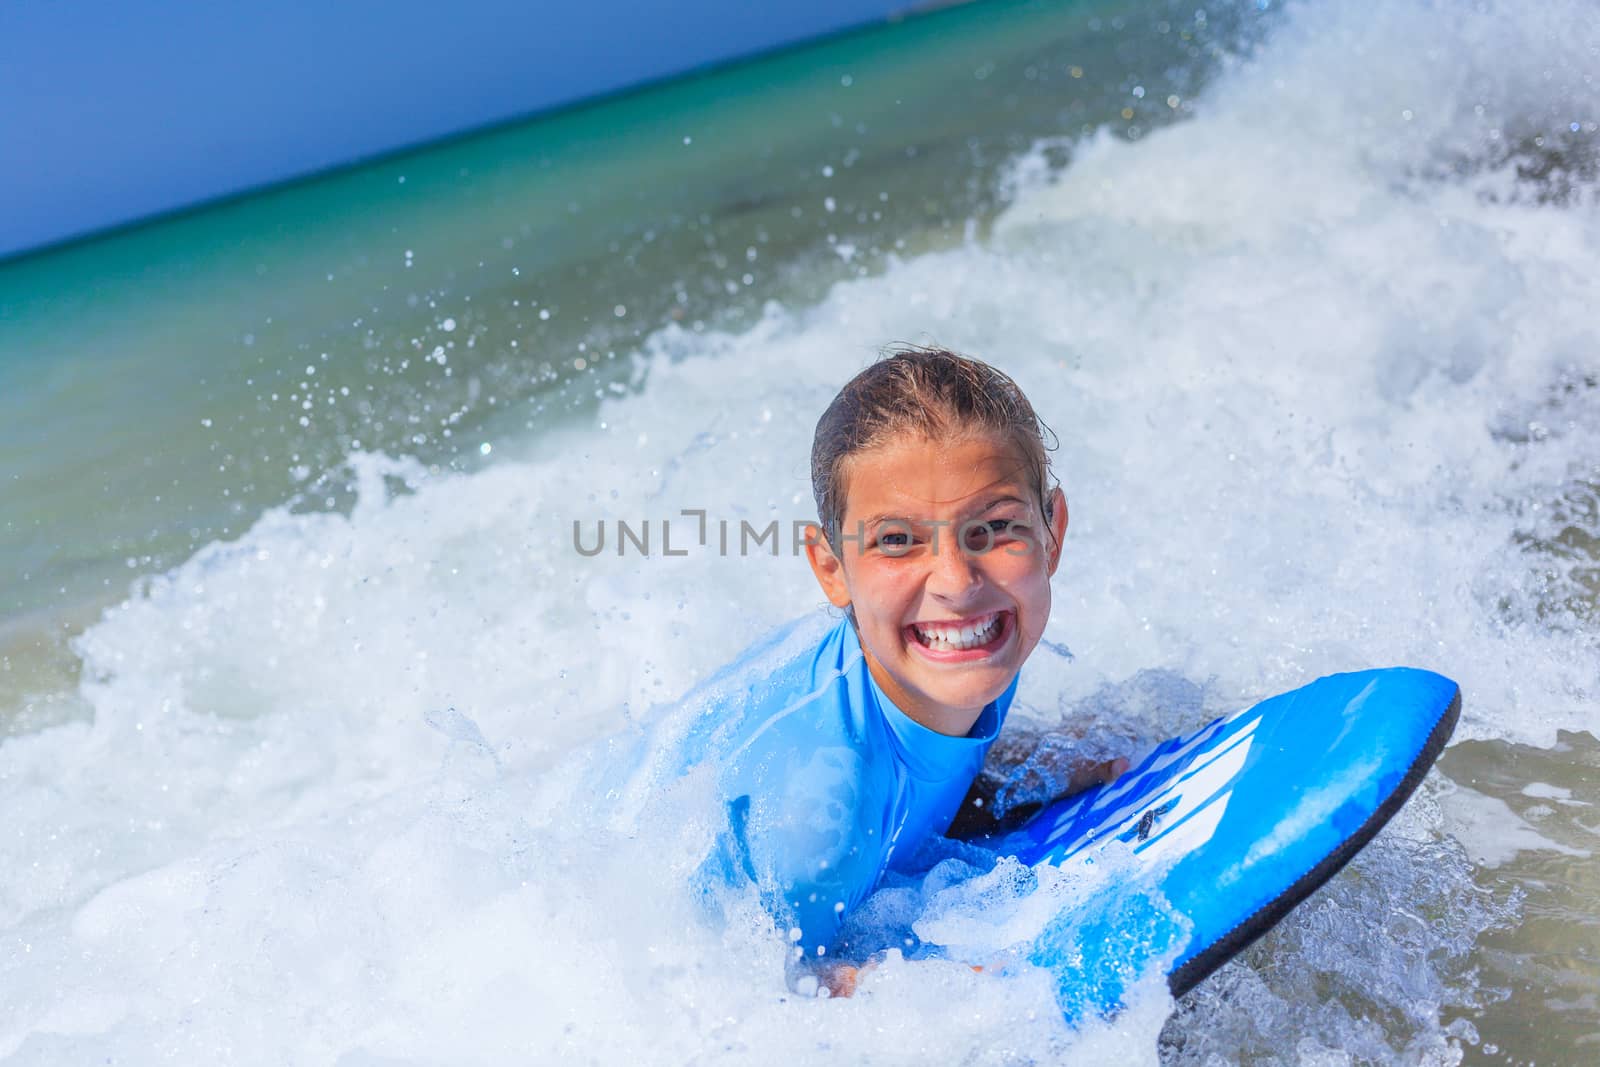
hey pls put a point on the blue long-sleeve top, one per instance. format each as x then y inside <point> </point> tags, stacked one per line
<point>827,784</point>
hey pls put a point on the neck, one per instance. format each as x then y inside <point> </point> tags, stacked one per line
<point>940,718</point>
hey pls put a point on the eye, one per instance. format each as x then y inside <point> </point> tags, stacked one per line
<point>988,534</point>
<point>993,529</point>
<point>895,538</point>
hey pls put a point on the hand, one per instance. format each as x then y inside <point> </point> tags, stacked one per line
<point>1093,774</point>
<point>840,979</point>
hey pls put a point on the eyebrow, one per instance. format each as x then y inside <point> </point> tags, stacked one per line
<point>992,503</point>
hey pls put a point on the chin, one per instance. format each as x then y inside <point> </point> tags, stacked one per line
<point>972,688</point>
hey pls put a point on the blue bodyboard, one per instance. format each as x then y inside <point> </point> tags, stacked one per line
<point>1228,828</point>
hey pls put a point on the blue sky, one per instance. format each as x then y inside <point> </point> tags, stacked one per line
<point>113,111</point>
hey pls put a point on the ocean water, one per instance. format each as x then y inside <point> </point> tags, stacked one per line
<point>317,727</point>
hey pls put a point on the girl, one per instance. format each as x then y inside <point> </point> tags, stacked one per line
<point>940,529</point>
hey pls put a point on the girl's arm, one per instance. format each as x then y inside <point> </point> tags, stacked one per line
<point>1027,770</point>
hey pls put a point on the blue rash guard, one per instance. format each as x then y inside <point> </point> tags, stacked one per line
<point>828,784</point>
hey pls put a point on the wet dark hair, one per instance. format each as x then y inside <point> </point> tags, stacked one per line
<point>929,391</point>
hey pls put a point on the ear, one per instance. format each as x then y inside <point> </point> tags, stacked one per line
<point>1058,526</point>
<point>828,568</point>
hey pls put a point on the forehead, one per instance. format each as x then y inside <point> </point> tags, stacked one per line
<point>914,475</point>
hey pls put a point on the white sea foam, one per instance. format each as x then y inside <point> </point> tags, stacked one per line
<point>1290,356</point>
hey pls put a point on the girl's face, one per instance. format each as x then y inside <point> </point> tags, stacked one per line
<point>945,556</point>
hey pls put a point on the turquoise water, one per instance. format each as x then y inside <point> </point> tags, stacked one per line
<point>154,386</point>
<point>1305,292</point>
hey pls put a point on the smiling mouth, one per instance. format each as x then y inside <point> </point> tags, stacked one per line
<point>961,635</point>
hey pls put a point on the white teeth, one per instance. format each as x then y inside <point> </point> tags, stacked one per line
<point>965,636</point>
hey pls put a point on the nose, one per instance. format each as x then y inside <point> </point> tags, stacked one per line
<point>954,574</point>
